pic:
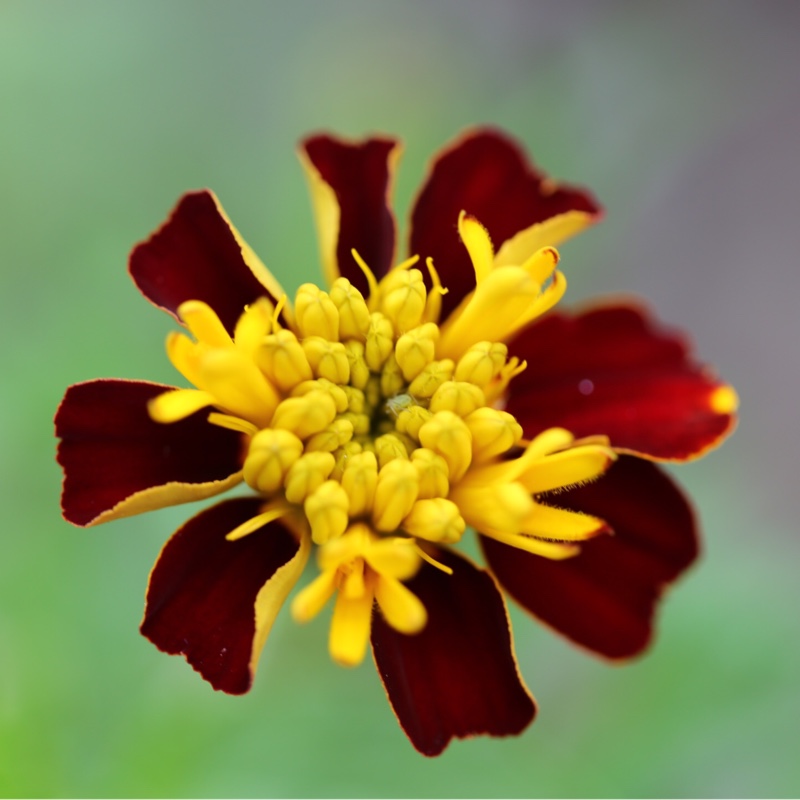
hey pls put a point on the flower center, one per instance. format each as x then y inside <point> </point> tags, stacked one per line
<point>374,431</point>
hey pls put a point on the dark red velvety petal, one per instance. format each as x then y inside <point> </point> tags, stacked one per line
<point>360,176</point>
<point>458,677</point>
<point>117,461</point>
<point>195,255</point>
<point>487,175</point>
<point>202,592</point>
<point>604,598</point>
<point>614,371</point>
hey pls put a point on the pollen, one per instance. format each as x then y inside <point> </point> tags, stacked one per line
<point>377,427</point>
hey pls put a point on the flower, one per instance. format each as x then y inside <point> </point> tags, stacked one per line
<point>376,420</point>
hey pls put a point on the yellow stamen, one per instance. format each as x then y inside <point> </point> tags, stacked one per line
<point>460,397</point>
<point>253,524</point>
<point>272,452</point>
<point>327,510</point>
<point>415,349</point>
<point>327,359</point>
<point>283,360</point>
<point>395,494</point>
<point>307,474</point>
<point>315,313</point>
<point>353,311</point>
<point>305,415</point>
<point>447,434</point>
<point>437,520</point>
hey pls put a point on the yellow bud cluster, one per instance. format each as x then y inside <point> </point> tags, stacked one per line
<point>375,425</point>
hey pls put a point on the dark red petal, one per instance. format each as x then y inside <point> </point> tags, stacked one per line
<point>111,450</point>
<point>614,371</point>
<point>487,175</point>
<point>605,597</point>
<point>459,676</point>
<point>360,175</point>
<point>195,256</point>
<point>202,591</point>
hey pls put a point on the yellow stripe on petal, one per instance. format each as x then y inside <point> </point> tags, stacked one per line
<point>401,608</point>
<point>553,231</point>
<point>273,594</point>
<point>178,404</point>
<point>256,265</point>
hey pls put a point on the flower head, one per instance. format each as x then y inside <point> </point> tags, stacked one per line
<point>377,418</point>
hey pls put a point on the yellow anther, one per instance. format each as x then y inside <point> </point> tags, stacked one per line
<point>493,432</point>
<point>411,419</point>
<point>359,371</point>
<point>433,306</point>
<point>481,363</point>
<point>305,415</point>
<point>353,311</point>
<point>436,519</point>
<point>401,608</point>
<point>391,377</point>
<point>307,474</point>
<point>327,510</point>
<point>282,359</point>
<point>315,313</point>
<point>355,399</point>
<point>431,378</point>
<point>360,422</point>
<point>391,446</point>
<point>403,298</point>
<point>337,393</point>
<point>327,359</point>
<point>432,473</point>
<point>238,385</point>
<point>460,397</point>
<point>395,494</point>
<point>448,435</point>
<point>204,323</point>
<point>509,289</point>
<point>338,433</point>
<point>343,455</point>
<point>272,452</point>
<point>380,341</point>
<point>359,479</point>
<point>253,325</point>
<point>416,349</point>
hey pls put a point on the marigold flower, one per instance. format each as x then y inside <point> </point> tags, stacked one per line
<point>375,420</point>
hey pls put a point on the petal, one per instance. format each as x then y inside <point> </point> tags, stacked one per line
<point>487,175</point>
<point>117,461</point>
<point>198,255</point>
<point>604,598</point>
<point>614,371</point>
<point>458,676</point>
<point>214,601</point>
<point>350,187</point>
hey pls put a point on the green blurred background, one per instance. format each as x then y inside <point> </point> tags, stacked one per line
<point>684,117</point>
